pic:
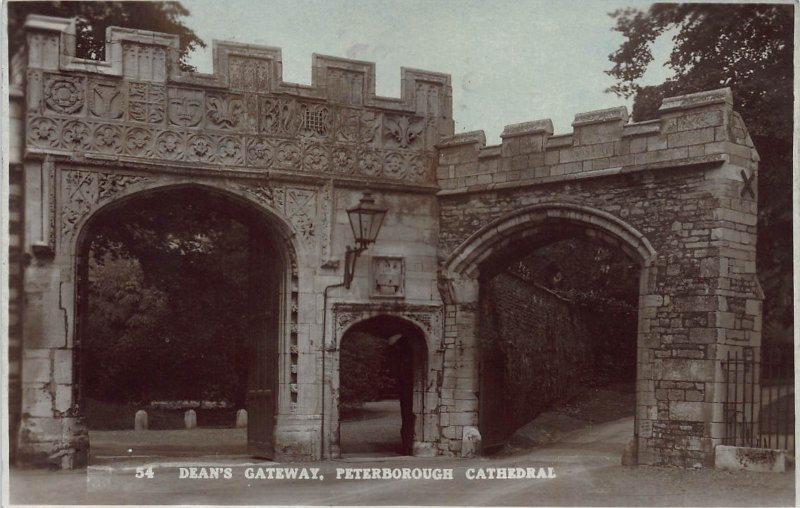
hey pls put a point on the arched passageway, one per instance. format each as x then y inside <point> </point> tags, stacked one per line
<point>533,344</point>
<point>558,335</point>
<point>180,298</point>
<point>382,365</point>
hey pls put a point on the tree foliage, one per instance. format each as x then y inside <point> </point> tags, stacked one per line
<point>362,360</point>
<point>94,17</point>
<point>749,48</point>
<point>168,304</point>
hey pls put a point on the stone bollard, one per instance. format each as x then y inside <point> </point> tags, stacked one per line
<point>241,418</point>
<point>140,420</point>
<point>190,419</point>
<point>629,455</point>
<point>471,443</point>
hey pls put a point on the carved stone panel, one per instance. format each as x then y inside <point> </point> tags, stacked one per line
<point>428,318</point>
<point>185,107</point>
<point>248,74</point>
<point>301,208</point>
<point>64,94</point>
<point>147,102</point>
<point>387,277</point>
<point>298,206</point>
<point>345,87</point>
<point>403,131</point>
<point>83,191</point>
<point>107,99</point>
<point>225,112</point>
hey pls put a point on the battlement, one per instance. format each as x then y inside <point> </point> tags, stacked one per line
<point>691,129</point>
<point>142,55</point>
<point>138,105</point>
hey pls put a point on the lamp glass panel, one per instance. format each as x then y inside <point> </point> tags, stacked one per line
<point>376,220</point>
<point>354,217</point>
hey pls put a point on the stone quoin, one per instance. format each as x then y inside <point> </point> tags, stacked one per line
<point>674,193</point>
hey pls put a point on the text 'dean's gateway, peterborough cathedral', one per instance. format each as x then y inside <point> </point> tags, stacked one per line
<point>674,194</point>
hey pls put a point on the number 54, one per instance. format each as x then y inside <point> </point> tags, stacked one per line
<point>144,472</point>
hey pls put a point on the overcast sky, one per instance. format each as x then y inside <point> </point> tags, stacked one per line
<point>510,60</point>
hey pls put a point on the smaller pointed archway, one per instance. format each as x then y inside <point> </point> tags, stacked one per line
<point>382,375</point>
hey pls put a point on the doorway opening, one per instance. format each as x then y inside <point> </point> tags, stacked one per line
<point>382,366</point>
<point>179,312</point>
<point>559,337</point>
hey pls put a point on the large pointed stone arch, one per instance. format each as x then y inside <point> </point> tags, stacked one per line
<point>467,257</point>
<point>501,237</point>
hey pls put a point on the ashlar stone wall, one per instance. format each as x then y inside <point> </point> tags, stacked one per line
<point>90,135</point>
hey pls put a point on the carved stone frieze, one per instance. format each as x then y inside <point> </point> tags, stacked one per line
<point>84,191</point>
<point>430,319</point>
<point>249,129</point>
<point>304,154</point>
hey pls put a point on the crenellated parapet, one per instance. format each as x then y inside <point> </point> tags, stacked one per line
<point>693,129</point>
<point>139,104</point>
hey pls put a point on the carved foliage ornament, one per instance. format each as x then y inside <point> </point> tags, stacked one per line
<point>404,130</point>
<point>225,112</point>
<point>429,318</point>
<point>299,206</point>
<point>84,191</point>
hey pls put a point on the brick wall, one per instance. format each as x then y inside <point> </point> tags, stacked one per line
<point>535,349</point>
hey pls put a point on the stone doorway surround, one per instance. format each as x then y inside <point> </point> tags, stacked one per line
<point>428,321</point>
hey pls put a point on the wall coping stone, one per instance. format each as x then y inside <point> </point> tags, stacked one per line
<point>525,128</point>
<point>616,114</point>
<point>463,138</point>
<point>691,162</point>
<point>642,128</point>
<point>696,100</point>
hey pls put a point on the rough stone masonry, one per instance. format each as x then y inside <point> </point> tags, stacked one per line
<point>674,193</point>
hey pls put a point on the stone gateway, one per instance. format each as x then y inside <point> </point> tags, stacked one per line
<point>674,194</point>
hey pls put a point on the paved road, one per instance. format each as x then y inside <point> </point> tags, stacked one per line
<point>585,463</point>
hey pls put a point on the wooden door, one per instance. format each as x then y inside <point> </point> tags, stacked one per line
<point>264,290</point>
